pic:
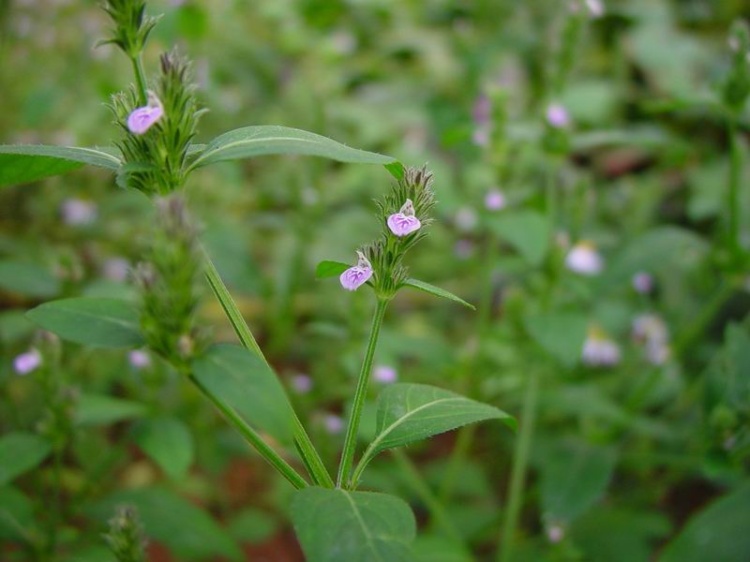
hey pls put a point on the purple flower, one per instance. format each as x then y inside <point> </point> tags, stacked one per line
<point>139,359</point>
<point>358,275</point>
<point>643,282</point>
<point>77,212</point>
<point>141,119</point>
<point>584,259</point>
<point>557,116</point>
<point>302,384</point>
<point>333,424</point>
<point>384,374</point>
<point>27,362</point>
<point>404,222</point>
<point>494,200</point>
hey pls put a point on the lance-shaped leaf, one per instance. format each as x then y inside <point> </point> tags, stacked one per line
<point>334,525</point>
<point>410,412</point>
<point>27,163</point>
<point>244,381</point>
<point>20,452</point>
<point>437,291</point>
<point>248,142</point>
<point>99,322</point>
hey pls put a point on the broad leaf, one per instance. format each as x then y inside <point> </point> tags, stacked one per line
<point>333,525</point>
<point>718,533</point>
<point>330,269</point>
<point>188,531</point>
<point>27,279</point>
<point>437,291</point>
<point>16,514</point>
<point>27,163</point>
<point>99,409</point>
<point>574,475</point>
<point>93,321</point>
<point>410,412</point>
<point>561,334</point>
<point>527,231</point>
<point>168,442</point>
<point>245,382</point>
<point>20,452</point>
<point>248,142</point>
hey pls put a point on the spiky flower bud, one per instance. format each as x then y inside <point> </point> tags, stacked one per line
<point>125,537</point>
<point>131,25</point>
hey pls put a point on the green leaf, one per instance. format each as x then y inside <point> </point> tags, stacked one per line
<point>188,531</point>
<point>93,321</point>
<point>410,412</point>
<point>248,142</point>
<point>718,533</point>
<point>98,409</point>
<point>333,525</point>
<point>20,452</point>
<point>16,514</point>
<point>574,475</point>
<point>27,163</point>
<point>245,382</point>
<point>527,231</point>
<point>27,279</point>
<point>437,291</point>
<point>560,333</point>
<point>330,269</point>
<point>440,549</point>
<point>168,442</point>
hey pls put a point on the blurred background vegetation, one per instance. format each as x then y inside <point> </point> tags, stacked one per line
<point>625,456</point>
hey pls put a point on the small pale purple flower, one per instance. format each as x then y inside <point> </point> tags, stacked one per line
<point>404,222</point>
<point>78,212</point>
<point>333,424</point>
<point>139,359</point>
<point>557,116</point>
<point>643,282</point>
<point>595,7</point>
<point>466,219</point>
<point>584,259</point>
<point>464,249</point>
<point>384,374</point>
<point>27,362</point>
<point>555,533</point>
<point>600,351</point>
<point>358,275</point>
<point>302,384</point>
<point>143,118</point>
<point>116,269</point>
<point>494,200</point>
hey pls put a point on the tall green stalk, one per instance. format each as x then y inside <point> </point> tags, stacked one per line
<point>350,441</point>
<point>520,465</point>
<point>733,194</point>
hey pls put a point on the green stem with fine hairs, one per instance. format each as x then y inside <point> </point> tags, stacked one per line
<point>140,78</point>
<point>350,441</point>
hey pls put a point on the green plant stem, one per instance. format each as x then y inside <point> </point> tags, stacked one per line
<point>520,464</point>
<point>310,457</point>
<point>140,78</point>
<point>265,451</point>
<point>350,441</point>
<point>433,504</point>
<point>733,195</point>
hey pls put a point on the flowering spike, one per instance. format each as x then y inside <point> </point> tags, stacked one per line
<point>404,222</point>
<point>141,119</point>
<point>358,275</point>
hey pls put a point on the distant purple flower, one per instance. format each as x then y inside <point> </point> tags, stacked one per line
<point>384,374</point>
<point>116,269</point>
<point>302,384</point>
<point>494,200</point>
<point>482,110</point>
<point>600,351</point>
<point>595,7</point>
<point>357,275</point>
<point>139,359</point>
<point>584,259</point>
<point>333,424</point>
<point>555,533</point>
<point>557,116</point>
<point>27,362</point>
<point>404,222</point>
<point>78,212</point>
<point>464,249</point>
<point>143,118</point>
<point>466,219</point>
<point>643,282</point>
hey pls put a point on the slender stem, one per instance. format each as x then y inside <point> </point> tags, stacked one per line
<point>310,457</point>
<point>733,196</point>
<point>350,441</point>
<point>265,451</point>
<point>140,78</point>
<point>436,509</point>
<point>520,463</point>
